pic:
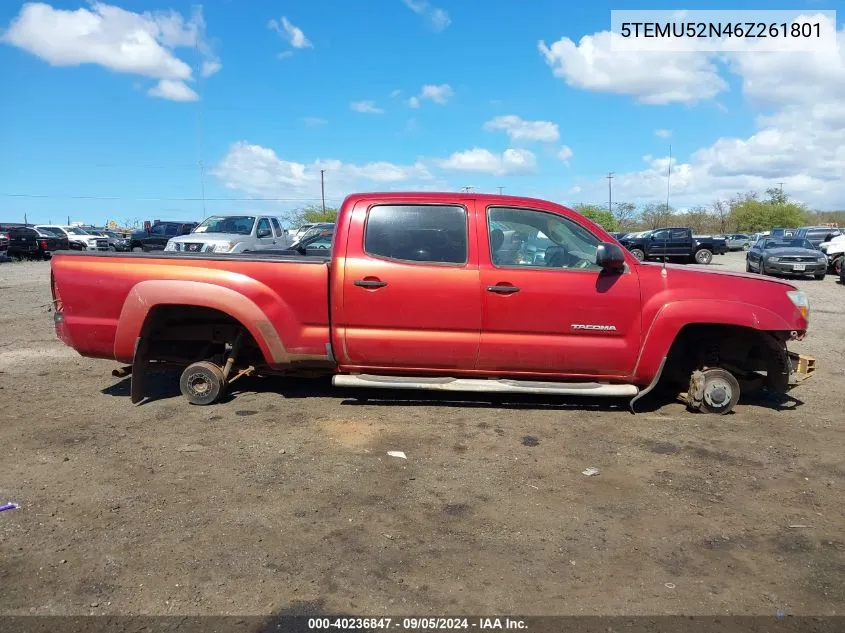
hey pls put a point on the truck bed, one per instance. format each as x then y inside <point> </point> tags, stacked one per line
<point>103,299</point>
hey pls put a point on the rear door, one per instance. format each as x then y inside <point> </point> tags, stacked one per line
<point>410,288</point>
<point>559,314</point>
<point>680,243</point>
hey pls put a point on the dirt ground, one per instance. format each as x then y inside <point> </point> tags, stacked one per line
<point>284,495</point>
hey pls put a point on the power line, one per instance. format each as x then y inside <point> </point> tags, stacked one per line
<point>158,199</point>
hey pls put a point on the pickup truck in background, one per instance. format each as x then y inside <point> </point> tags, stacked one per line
<point>30,243</point>
<point>231,234</point>
<point>674,244</point>
<point>436,291</point>
<point>156,238</point>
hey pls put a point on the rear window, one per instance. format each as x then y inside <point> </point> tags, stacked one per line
<point>417,233</point>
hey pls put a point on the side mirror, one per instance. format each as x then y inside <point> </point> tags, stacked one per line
<point>610,257</point>
<point>265,233</point>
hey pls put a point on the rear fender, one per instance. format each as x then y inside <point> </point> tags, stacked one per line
<point>146,295</point>
<point>672,317</point>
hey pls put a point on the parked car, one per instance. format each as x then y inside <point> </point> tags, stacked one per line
<point>318,238</point>
<point>30,243</point>
<point>116,241</point>
<point>408,297</point>
<point>817,235</point>
<point>737,241</point>
<point>786,256</point>
<point>231,234</point>
<point>78,238</point>
<point>301,230</point>
<point>4,243</point>
<point>159,234</point>
<point>834,250</point>
<point>673,243</point>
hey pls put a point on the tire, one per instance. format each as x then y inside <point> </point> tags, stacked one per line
<point>748,267</point>
<point>819,276</point>
<point>113,249</point>
<point>137,249</point>
<point>836,266</point>
<point>202,383</point>
<point>721,392</point>
<point>638,253</point>
<point>703,256</point>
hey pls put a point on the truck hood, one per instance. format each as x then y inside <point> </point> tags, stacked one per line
<point>211,237</point>
<point>685,274</point>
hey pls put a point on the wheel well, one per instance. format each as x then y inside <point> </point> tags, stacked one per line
<point>184,334</point>
<point>743,351</point>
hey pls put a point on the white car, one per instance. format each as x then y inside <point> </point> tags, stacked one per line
<point>835,251</point>
<point>76,235</point>
<point>232,234</point>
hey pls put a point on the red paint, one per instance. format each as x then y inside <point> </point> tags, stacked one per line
<point>429,318</point>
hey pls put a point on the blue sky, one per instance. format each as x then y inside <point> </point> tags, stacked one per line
<point>108,108</point>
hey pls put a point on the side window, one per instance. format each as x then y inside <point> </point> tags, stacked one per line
<point>263,225</point>
<point>157,229</point>
<point>662,235</point>
<point>171,230</point>
<point>276,228</point>
<point>525,237</point>
<point>679,234</point>
<point>417,233</point>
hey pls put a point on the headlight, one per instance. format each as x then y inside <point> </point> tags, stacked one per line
<point>772,259</point>
<point>225,247</point>
<point>823,247</point>
<point>822,260</point>
<point>799,298</point>
<point>170,246</point>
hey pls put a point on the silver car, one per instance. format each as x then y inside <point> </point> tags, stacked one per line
<point>232,234</point>
<point>738,241</point>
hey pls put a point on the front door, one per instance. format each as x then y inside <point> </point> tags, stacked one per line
<point>410,288</point>
<point>550,309</point>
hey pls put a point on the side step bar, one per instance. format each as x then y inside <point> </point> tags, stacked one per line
<point>485,385</point>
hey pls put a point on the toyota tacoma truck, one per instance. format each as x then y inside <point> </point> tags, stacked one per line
<point>437,291</point>
<point>674,244</point>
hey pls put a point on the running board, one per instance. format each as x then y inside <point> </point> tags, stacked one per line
<point>486,385</point>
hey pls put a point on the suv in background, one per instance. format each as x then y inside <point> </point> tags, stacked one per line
<point>817,234</point>
<point>78,238</point>
<point>156,238</point>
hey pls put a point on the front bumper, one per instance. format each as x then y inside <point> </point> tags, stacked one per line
<point>788,268</point>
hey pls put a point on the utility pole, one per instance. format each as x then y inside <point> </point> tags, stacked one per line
<point>467,188</point>
<point>323,189</point>
<point>500,190</point>
<point>609,192</point>
<point>781,187</point>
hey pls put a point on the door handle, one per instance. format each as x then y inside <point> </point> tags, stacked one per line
<point>504,290</point>
<point>370,283</point>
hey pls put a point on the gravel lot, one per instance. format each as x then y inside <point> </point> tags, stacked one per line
<point>284,495</point>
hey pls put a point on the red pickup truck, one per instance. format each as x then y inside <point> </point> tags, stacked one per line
<point>439,291</point>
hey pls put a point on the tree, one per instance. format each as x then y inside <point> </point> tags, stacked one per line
<point>722,211</point>
<point>750,213</point>
<point>599,215</point>
<point>626,215</point>
<point>657,214</point>
<point>314,213</point>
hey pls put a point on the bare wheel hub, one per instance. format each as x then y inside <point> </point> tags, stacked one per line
<point>198,385</point>
<point>717,393</point>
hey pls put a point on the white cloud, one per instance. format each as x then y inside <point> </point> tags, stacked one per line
<point>293,34</point>
<point>395,93</point>
<point>210,67</point>
<point>564,153</point>
<point>414,102</point>
<point>313,121</point>
<point>655,77</point>
<point>366,107</point>
<point>285,55</point>
<point>438,93</point>
<point>662,133</point>
<point>173,90</point>
<point>258,171</point>
<point>520,130</point>
<point>437,19</point>
<point>484,161</point>
<point>116,39</point>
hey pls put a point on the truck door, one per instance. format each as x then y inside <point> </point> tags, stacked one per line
<point>264,234</point>
<point>554,312</point>
<point>410,288</point>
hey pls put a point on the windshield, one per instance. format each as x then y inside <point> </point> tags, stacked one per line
<point>794,243</point>
<point>73,230</point>
<point>237,224</point>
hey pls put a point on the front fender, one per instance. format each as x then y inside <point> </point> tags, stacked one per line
<point>672,317</point>
<point>146,295</point>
